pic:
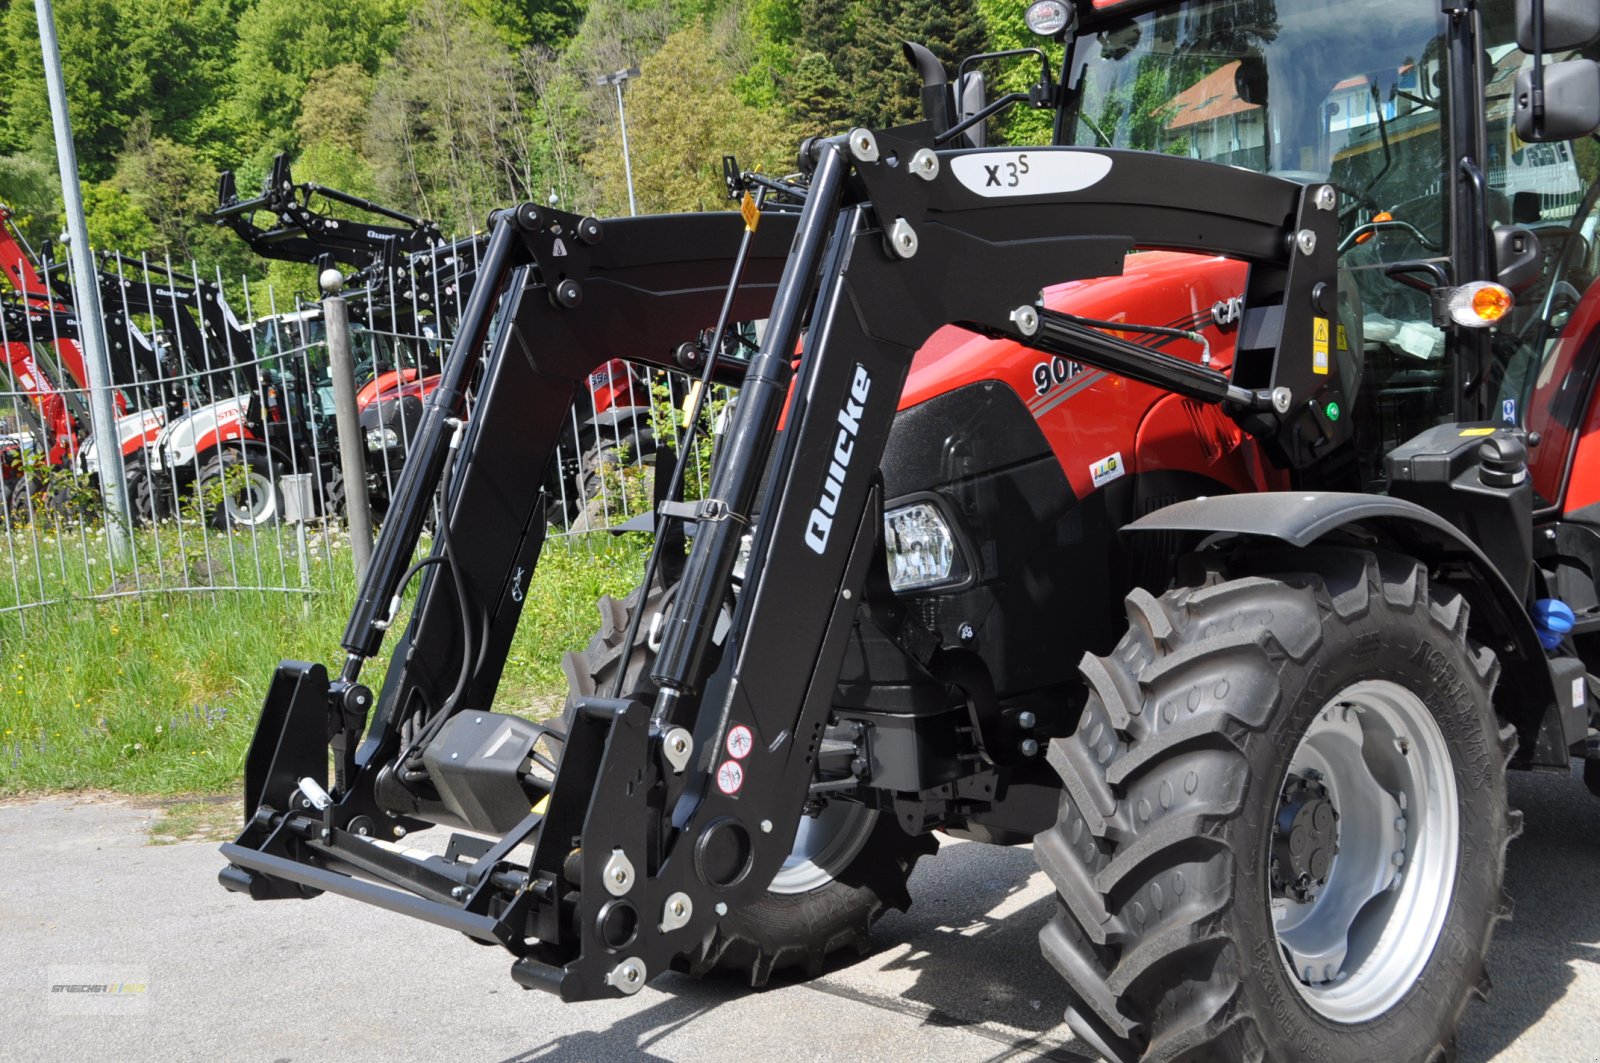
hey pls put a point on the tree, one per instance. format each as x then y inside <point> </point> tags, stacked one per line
<point>771,30</point>
<point>862,40</point>
<point>30,187</point>
<point>448,130</point>
<point>157,201</point>
<point>100,94</point>
<point>282,43</point>
<point>817,97</point>
<point>331,130</point>
<point>885,85</point>
<point>1007,29</point>
<point>115,221</point>
<point>683,116</point>
<point>527,23</point>
<point>120,59</point>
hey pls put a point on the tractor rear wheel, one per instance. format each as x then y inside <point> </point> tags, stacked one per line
<point>1282,832</point>
<point>848,867</point>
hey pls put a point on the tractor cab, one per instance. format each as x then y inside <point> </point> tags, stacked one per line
<point>1412,118</point>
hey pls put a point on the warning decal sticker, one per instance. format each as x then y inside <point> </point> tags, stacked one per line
<point>730,777</point>
<point>739,741</point>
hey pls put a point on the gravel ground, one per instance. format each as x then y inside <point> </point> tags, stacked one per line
<point>85,898</point>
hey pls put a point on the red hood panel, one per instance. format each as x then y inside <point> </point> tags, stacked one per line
<point>1096,422</point>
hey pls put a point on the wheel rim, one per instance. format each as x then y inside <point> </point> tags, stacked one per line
<point>1356,922</point>
<point>253,503</point>
<point>824,845</point>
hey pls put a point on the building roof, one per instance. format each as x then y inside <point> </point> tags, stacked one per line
<point>1213,96</point>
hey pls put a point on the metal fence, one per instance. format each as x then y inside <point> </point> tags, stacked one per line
<point>228,437</point>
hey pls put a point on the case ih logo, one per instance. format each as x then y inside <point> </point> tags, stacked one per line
<point>821,522</point>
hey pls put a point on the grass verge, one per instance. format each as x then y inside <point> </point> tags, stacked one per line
<point>157,693</point>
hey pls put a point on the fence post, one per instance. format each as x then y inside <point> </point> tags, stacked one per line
<point>86,294</point>
<point>352,448</point>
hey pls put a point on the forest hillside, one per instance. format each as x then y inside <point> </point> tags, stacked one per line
<point>449,108</point>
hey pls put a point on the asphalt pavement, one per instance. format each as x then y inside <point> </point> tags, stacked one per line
<point>201,974</point>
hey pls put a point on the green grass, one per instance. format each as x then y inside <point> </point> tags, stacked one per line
<point>158,692</point>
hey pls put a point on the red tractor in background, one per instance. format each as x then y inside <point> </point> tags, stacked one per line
<point>36,319</point>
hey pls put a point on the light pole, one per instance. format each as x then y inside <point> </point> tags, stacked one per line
<point>616,79</point>
<point>86,295</point>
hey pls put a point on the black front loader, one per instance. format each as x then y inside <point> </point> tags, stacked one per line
<point>622,856</point>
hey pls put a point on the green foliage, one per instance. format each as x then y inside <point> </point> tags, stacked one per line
<point>332,129</point>
<point>98,91</point>
<point>817,98</point>
<point>447,108</point>
<point>1007,30</point>
<point>448,124</point>
<point>52,496</point>
<point>115,220</point>
<point>165,59</point>
<point>30,186</point>
<point>683,116</point>
<point>769,28</point>
<point>862,41</point>
<point>524,23</point>
<point>282,43</point>
<point>159,693</point>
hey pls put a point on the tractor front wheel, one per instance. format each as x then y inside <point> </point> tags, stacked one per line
<point>1282,832</point>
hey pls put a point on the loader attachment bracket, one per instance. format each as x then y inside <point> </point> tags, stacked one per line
<point>291,741</point>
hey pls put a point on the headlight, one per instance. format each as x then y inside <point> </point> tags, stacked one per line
<point>1049,18</point>
<point>382,438</point>
<point>922,549</point>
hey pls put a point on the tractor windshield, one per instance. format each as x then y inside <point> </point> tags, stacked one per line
<point>1306,89</point>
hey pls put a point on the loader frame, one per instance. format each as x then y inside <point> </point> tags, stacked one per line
<point>652,826</point>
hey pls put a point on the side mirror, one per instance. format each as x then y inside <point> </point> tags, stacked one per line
<point>1250,80</point>
<point>1517,257</point>
<point>1571,101</point>
<point>1568,24</point>
<point>971,97</point>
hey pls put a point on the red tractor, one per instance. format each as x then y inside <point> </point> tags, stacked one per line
<point>1198,497</point>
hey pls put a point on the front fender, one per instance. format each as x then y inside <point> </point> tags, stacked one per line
<point>1528,696</point>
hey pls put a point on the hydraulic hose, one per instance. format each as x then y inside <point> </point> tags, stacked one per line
<point>398,538</point>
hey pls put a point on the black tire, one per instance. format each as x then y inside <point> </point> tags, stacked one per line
<point>143,505</point>
<point>335,501</point>
<point>1161,856</point>
<point>17,502</point>
<point>781,930</point>
<point>258,503</point>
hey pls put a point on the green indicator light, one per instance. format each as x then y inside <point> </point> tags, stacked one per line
<point>1332,410</point>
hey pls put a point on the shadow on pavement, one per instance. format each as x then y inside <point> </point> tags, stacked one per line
<point>1552,874</point>
<point>632,1037</point>
<point>970,945</point>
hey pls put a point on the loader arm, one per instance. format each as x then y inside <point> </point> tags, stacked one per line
<point>653,822</point>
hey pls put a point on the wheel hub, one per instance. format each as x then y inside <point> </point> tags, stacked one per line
<point>1307,840</point>
<point>1361,859</point>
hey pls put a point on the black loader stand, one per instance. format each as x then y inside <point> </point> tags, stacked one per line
<point>661,816</point>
